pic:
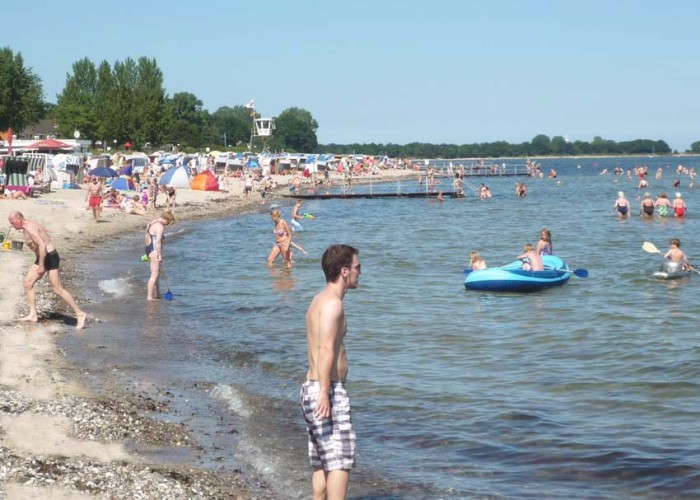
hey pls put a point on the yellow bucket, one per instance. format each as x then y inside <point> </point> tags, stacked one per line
<point>6,245</point>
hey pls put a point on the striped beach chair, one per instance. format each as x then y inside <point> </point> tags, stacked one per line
<point>16,175</point>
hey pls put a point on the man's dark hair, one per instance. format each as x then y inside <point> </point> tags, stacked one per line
<point>335,258</point>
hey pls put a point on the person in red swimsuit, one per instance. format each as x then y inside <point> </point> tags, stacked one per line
<point>94,197</point>
<point>679,207</point>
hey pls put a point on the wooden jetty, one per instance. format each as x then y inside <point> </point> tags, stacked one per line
<point>482,168</point>
<point>347,192</point>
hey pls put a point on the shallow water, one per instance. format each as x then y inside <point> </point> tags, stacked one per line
<point>588,390</point>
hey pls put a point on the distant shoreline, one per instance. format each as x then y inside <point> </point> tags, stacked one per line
<point>567,157</point>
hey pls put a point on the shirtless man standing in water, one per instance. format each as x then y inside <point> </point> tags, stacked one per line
<point>47,260</point>
<point>324,399</point>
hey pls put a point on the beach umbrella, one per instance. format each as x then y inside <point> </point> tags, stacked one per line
<point>50,144</point>
<point>127,170</point>
<point>176,177</point>
<point>103,172</point>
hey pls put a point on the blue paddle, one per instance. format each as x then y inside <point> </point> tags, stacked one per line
<point>467,271</point>
<point>581,273</point>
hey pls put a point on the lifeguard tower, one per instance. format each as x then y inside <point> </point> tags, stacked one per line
<point>262,127</point>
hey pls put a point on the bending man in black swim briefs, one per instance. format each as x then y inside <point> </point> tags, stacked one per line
<point>47,261</point>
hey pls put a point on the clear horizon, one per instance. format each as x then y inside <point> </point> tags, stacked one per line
<point>400,71</point>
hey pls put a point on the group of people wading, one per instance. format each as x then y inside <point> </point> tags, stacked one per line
<point>662,206</point>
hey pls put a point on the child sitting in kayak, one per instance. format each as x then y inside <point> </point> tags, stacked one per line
<point>476,263</point>
<point>677,255</point>
<point>532,261</point>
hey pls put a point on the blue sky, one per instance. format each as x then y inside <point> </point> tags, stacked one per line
<point>399,71</point>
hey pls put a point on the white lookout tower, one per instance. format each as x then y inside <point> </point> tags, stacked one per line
<point>263,127</point>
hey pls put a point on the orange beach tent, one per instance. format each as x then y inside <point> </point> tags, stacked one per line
<point>206,181</point>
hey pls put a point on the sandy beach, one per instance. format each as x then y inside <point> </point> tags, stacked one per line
<point>57,439</point>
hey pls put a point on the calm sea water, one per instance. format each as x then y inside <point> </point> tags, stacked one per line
<point>589,390</point>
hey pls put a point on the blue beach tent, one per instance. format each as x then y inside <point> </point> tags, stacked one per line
<point>124,184</point>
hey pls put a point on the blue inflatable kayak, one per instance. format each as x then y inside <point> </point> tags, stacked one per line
<point>512,277</point>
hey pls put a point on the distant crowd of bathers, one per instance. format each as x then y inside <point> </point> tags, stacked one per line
<point>661,205</point>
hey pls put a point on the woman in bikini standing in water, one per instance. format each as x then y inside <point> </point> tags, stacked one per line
<point>283,240</point>
<point>154,250</point>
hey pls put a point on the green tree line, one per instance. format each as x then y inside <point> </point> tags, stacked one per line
<point>541,145</point>
<point>112,104</point>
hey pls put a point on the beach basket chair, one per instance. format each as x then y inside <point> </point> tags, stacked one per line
<point>16,175</point>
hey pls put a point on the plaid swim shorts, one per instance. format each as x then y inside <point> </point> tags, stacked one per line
<point>331,441</point>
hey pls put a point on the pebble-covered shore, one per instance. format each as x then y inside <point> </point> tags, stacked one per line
<point>111,418</point>
<point>111,421</point>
